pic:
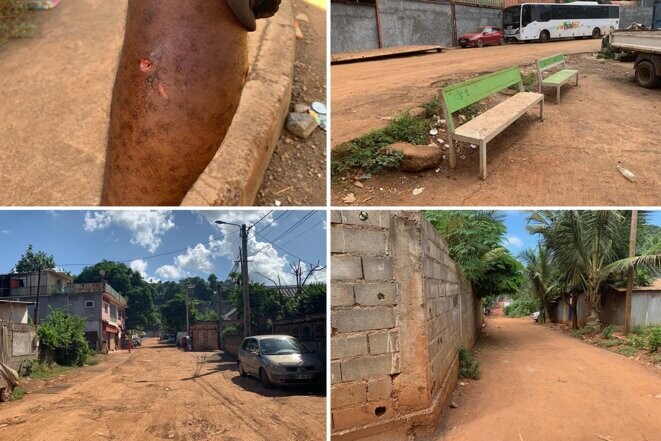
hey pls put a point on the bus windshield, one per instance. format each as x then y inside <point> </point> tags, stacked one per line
<point>511,16</point>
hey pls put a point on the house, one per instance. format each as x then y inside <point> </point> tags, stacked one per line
<point>102,306</point>
<point>645,305</point>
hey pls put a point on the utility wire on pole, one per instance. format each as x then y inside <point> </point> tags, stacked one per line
<point>632,253</point>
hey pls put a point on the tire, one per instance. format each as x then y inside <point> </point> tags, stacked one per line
<point>544,36</point>
<point>501,42</point>
<point>596,33</point>
<point>5,394</point>
<point>241,371</point>
<point>265,379</point>
<point>480,43</point>
<point>646,75</point>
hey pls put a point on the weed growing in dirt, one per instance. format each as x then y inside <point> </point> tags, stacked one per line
<point>41,371</point>
<point>607,332</point>
<point>586,330</point>
<point>626,350</point>
<point>611,342</point>
<point>368,152</point>
<point>637,341</point>
<point>432,107</point>
<point>93,361</point>
<point>471,111</point>
<point>17,393</point>
<point>12,20</point>
<point>654,340</point>
<point>468,365</point>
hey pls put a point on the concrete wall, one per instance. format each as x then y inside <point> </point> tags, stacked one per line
<point>231,344</point>
<point>410,22</point>
<point>14,312</point>
<point>353,28</point>
<point>470,17</point>
<point>399,313</point>
<point>21,343</point>
<point>641,14</point>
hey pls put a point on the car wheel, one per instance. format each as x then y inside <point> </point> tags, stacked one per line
<point>646,75</point>
<point>596,33</point>
<point>265,379</point>
<point>241,371</point>
<point>501,41</point>
<point>5,394</point>
<point>480,43</point>
<point>544,36</point>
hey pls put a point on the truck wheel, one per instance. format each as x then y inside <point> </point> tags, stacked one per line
<point>646,75</point>
<point>544,36</point>
<point>596,33</point>
<point>5,394</point>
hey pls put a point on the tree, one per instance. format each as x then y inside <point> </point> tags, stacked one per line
<point>173,313</point>
<point>540,272</point>
<point>64,334</point>
<point>31,262</point>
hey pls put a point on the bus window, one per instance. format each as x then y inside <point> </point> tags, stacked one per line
<point>511,16</point>
<point>526,15</point>
<point>614,12</point>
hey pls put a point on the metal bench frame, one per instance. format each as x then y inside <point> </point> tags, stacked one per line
<point>544,64</point>
<point>459,96</point>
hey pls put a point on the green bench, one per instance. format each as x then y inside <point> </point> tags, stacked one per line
<point>484,127</point>
<point>556,79</point>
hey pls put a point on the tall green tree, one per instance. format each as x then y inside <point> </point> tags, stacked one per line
<point>540,272</point>
<point>32,261</point>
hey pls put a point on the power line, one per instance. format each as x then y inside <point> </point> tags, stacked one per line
<point>290,229</point>
<point>285,213</point>
<point>263,217</point>
<point>312,227</point>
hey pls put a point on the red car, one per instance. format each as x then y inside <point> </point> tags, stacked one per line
<point>482,36</point>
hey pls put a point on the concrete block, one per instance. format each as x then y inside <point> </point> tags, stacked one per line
<point>359,241</point>
<point>351,346</point>
<point>336,217</point>
<point>355,416</point>
<point>336,373</point>
<point>348,394</point>
<point>374,218</point>
<point>301,124</point>
<point>342,295</point>
<point>361,319</point>
<point>379,390</point>
<point>366,367</point>
<point>376,294</point>
<point>383,342</point>
<point>346,268</point>
<point>378,268</point>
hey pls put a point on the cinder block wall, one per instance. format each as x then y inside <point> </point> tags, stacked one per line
<point>399,313</point>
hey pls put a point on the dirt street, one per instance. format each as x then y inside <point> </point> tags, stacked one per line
<point>569,159</point>
<point>159,392</point>
<point>539,385</point>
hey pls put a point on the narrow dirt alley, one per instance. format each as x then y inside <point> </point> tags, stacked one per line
<point>159,392</point>
<point>538,384</point>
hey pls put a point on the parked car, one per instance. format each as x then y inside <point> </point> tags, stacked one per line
<point>535,315</point>
<point>482,36</point>
<point>279,360</point>
<point>180,337</point>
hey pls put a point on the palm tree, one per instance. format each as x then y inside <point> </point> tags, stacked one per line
<point>588,247</point>
<point>540,273</point>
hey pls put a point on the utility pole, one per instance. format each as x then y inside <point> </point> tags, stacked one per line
<point>244,281</point>
<point>632,253</point>
<point>188,288</point>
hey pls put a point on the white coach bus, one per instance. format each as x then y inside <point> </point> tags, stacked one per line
<point>544,21</point>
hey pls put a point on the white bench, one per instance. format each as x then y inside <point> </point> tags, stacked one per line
<point>557,79</point>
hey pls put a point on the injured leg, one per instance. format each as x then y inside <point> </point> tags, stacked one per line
<point>178,85</point>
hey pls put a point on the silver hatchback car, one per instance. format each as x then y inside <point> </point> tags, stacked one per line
<point>280,360</point>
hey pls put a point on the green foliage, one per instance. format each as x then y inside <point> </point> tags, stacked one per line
<point>474,241</point>
<point>637,341</point>
<point>13,22</point>
<point>34,261</point>
<point>654,339</point>
<point>17,393</point>
<point>312,300</point>
<point>41,371</point>
<point>607,332</point>
<point>368,152</point>
<point>432,107</point>
<point>468,365</point>
<point>65,335</point>
<point>638,330</point>
<point>586,330</point>
<point>611,342</point>
<point>627,350</point>
<point>522,306</point>
<point>173,313</point>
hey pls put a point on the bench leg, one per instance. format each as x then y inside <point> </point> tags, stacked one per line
<point>577,79</point>
<point>453,153</point>
<point>541,110</point>
<point>483,160</point>
<point>557,94</point>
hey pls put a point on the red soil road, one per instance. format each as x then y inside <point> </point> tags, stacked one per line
<point>159,392</point>
<point>538,384</point>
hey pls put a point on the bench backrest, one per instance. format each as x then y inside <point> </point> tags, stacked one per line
<point>550,62</point>
<point>458,96</point>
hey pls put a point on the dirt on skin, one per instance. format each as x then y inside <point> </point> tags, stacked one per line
<point>297,173</point>
<point>569,159</point>
<point>159,392</point>
<point>541,385</point>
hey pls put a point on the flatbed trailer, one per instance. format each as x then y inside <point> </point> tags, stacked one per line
<point>646,46</point>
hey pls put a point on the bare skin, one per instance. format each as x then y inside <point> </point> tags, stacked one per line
<point>178,85</point>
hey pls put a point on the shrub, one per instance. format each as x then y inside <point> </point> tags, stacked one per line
<point>12,20</point>
<point>468,365</point>
<point>607,332</point>
<point>65,335</point>
<point>586,330</point>
<point>17,393</point>
<point>637,341</point>
<point>522,306</point>
<point>654,339</point>
<point>611,342</point>
<point>626,350</point>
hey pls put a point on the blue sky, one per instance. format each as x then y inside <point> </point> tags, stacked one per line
<point>202,247</point>
<point>519,239</point>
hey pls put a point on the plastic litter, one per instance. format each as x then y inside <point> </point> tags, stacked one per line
<point>626,173</point>
<point>433,132</point>
<point>418,190</point>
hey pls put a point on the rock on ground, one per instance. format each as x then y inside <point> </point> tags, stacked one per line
<point>417,157</point>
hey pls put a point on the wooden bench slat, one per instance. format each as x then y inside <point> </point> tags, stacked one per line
<point>490,123</point>
<point>560,77</point>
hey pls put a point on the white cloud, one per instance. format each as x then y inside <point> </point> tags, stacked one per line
<point>5,231</point>
<point>171,272</point>
<point>140,266</point>
<point>147,227</point>
<point>196,258</point>
<point>514,241</point>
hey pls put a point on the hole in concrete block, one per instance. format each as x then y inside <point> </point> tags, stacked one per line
<point>380,411</point>
<point>381,296</point>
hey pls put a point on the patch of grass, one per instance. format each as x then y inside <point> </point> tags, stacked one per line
<point>432,107</point>
<point>626,350</point>
<point>368,152</point>
<point>468,365</point>
<point>607,332</point>
<point>611,342</point>
<point>17,393</point>
<point>92,361</point>
<point>12,20</point>
<point>636,341</point>
<point>638,330</point>
<point>655,358</point>
<point>471,111</point>
<point>586,330</point>
<point>41,371</point>
<point>654,339</point>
